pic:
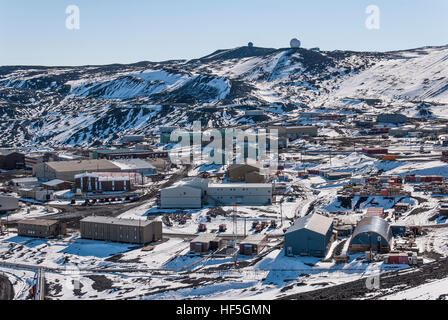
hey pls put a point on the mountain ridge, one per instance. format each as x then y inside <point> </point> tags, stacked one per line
<point>91,105</point>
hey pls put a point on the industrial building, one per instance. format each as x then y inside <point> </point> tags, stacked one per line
<point>27,182</point>
<point>136,165</point>
<point>332,176</point>
<point>57,184</point>
<point>295,132</point>
<point>248,173</point>
<point>8,203</point>
<point>67,170</point>
<point>309,236</point>
<point>187,193</point>
<point>195,192</point>
<point>206,242</point>
<point>371,233</point>
<point>244,194</point>
<point>38,194</point>
<point>253,244</point>
<point>116,154</point>
<point>41,228</point>
<point>11,160</point>
<point>121,230</point>
<point>132,138</point>
<point>34,158</point>
<point>104,182</point>
<point>391,118</point>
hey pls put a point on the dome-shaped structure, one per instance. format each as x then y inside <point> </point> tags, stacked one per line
<point>371,233</point>
<point>250,45</point>
<point>295,43</point>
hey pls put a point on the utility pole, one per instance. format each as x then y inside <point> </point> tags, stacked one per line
<point>281,212</point>
<point>235,225</point>
<point>245,228</point>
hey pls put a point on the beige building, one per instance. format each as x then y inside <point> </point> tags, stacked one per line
<point>253,244</point>
<point>206,242</point>
<point>66,170</point>
<point>249,173</point>
<point>121,230</point>
<point>41,228</point>
<point>38,194</point>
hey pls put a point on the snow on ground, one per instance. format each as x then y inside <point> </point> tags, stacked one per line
<point>434,290</point>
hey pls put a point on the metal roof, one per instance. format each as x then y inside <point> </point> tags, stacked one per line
<point>82,165</point>
<point>254,239</point>
<point>373,225</point>
<point>120,222</point>
<point>240,185</point>
<point>25,180</point>
<point>39,222</point>
<point>205,237</point>
<point>54,182</point>
<point>315,222</point>
<point>132,164</point>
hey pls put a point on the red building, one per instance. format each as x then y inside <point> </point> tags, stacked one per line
<point>375,151</point>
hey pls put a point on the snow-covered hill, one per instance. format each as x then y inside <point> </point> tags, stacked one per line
<point>95,104</point>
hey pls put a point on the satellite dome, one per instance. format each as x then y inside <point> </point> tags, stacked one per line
<point>295,43</point>
<point>250,45</point>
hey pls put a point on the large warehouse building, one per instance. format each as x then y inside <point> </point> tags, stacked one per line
<point>371,233</point>
<point>66,170</point>
<point>187,193</point>
<point>195,192</point>
<point>309,236</point>
<point>121,230</point>
<point>244,194</point>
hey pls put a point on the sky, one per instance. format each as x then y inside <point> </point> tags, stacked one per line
<point>34,32</point>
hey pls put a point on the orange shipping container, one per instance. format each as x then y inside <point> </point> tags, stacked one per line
<point>389,157</point>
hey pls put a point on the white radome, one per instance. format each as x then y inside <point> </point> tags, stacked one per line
<point>295,43</point>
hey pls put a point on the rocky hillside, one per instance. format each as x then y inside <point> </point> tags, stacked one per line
<point>90,105</point>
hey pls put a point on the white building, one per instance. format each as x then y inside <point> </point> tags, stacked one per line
<point>25,182</point>
<point>194,192</point>
<point>187,193</point>
<point>244,194</point>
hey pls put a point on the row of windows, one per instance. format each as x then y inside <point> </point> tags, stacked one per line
<point>234,189</point>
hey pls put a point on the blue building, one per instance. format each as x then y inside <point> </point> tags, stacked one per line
<point>309,236</point>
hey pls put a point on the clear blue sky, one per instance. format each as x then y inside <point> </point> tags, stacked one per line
<point>33,32</point>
